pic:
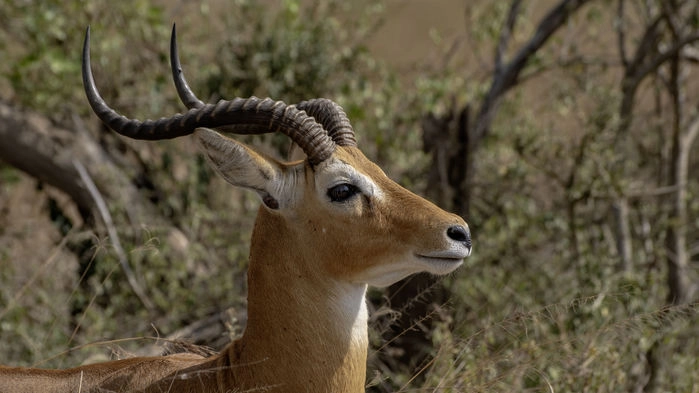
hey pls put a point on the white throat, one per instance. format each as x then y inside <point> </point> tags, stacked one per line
<point>350,300</point>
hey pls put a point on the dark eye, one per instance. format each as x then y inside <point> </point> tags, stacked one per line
<point>342,192</point>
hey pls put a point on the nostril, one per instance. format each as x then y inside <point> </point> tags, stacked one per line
<point>459,234</point>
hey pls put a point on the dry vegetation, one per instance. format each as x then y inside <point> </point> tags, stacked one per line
<point>583,224</point>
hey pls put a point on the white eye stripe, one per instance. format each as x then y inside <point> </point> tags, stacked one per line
<point>369,187</point>
<point>336,172</point>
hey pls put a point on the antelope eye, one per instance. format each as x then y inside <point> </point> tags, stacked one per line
<point>342,192</point>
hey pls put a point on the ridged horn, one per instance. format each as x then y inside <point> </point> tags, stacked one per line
<point>241,116</point>
<point>326,112</point>
<point>332,117</point>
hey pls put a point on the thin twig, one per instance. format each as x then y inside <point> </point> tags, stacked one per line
<point>112,232</point>
<point>29,285</point>
<point>621,34</point>
<point>505,36</point>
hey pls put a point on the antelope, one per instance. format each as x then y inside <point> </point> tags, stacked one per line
<point>328,226</point>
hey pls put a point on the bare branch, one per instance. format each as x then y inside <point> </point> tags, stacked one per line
<point>669,13</point>
<point>505,35</point>
<point>621,33</point>
<point>635,74</point>
<point>690,54</point>
<point>113,234</point>
<point>691,136</point>
<point>32,144</point>
<point>646,46</point>
<point>665,56</point>
<point>509,76</point>
<point>647,59</point>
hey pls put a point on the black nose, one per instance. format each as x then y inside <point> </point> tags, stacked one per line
<point>460,234</point>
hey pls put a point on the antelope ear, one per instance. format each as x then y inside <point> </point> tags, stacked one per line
<point>243,167</point>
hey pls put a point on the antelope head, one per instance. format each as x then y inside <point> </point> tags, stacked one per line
<point>329,225</point>
<point>356,223</point>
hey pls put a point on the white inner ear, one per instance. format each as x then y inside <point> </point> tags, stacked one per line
<point>243,167</point>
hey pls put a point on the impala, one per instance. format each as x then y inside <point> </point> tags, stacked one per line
<point>328,226</point>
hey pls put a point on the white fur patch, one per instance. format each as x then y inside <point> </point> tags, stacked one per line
<point>388,273</point>
<point>334,172</point>
<point>356,314</point>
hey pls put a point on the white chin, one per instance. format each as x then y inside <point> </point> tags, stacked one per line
<point>385,275</point>
<point>441,266</point>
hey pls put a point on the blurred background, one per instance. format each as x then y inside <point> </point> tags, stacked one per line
<point>563,131</point>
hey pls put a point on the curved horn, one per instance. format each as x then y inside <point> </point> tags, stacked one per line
<point>241,116</point>
<point>183,90</point>
<point>332,117</point>
<point>329,114</point>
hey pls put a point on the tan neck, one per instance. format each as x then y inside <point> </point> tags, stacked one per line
<point>305,332</point>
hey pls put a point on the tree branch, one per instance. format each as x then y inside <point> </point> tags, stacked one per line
<point>33,145</point>
<point>665,56</point>
<point>113,235</point>
<point>621,34</point>
<point>508,77</point>
<point>505,36</point>
<point>46,152</point>
<point>59,157</point>
<point>636,72</point>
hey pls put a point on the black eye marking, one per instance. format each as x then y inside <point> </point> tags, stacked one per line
<point>342,192</point>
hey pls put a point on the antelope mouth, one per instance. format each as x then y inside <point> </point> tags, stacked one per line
<point>454,255</point>
<point>442,262</point>
<point>434,259</point>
